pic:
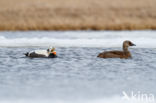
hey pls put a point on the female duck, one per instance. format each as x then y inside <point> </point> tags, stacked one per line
<point>118,54</point>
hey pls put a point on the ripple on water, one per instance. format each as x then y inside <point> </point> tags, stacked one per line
<point>77,71</point>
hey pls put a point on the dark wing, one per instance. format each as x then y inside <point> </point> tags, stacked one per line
<point>111,54</point>
<point>34,55</point>
<point>115,52</point>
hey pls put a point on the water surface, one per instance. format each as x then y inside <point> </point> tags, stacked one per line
<point>77,74</point>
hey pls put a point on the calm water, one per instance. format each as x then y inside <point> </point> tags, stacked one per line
<point>77,75</point>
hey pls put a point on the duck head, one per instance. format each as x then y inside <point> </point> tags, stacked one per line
<point>126,44</point>
<point>51,49</point>
<point>52,52</point>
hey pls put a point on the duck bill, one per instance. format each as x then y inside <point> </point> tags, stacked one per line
<point>133,45</point>
<point>54,53</point>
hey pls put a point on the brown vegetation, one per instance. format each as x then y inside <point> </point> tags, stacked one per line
<point>77,14</point>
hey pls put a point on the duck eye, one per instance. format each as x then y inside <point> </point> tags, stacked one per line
<point>130,43</point>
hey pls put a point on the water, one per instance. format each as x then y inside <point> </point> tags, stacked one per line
<point>77,75</point>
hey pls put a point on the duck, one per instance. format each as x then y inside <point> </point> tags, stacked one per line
<point>125,54</point>
<point>49,53</point>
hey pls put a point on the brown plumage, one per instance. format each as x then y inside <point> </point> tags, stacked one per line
<point>118,54</point>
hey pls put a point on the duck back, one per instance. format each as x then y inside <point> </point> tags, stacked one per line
<point>114,54</point>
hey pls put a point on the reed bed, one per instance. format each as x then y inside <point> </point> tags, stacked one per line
<point>77,14</point>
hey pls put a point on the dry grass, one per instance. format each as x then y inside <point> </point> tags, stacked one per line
<point>77,14</point>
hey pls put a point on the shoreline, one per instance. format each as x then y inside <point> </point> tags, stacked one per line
<point>77,15</point>
<point>77,28</point>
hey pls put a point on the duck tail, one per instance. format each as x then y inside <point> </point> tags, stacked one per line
<point>26,54</point>
<point>100,55</point>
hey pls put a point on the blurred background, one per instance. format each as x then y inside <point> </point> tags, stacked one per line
<point>77,14</point>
